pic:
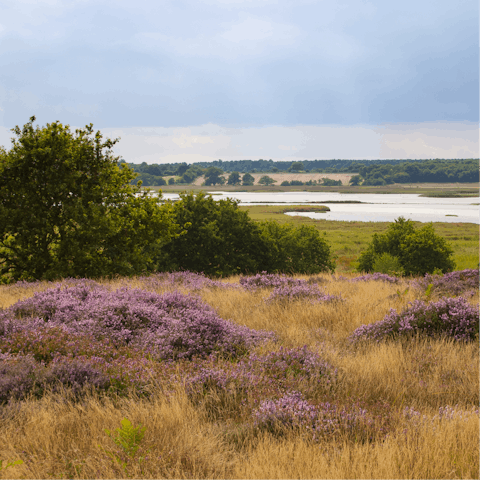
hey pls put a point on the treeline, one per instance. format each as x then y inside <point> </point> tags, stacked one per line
<point>68,209</point>
<point>370,172</point>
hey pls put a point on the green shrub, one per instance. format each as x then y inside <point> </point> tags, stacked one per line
<point>386,263</point>
<point>297,249</point>
<point>419,251</point>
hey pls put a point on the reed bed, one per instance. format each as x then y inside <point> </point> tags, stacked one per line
<point>306,401</point>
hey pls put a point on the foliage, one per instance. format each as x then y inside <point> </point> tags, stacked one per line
<point>388,264</point>
<point>418,251</point>
<point>448,317</point>
<point>84,219</point>
<point>234,179</point>
<point>220,239</point>
<point>128,439</point>
<point>296,167</point>
<point>266,180</point>
<point>248,179</point>
<point>9,464</point>
<point>297,249</point>
<point>355,180</point>
<point>328,182</point>
<point>213,176</point>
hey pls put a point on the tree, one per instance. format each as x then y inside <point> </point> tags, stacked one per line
<point>297,249</point>
<point>248,179</point>
<point>418,251</point>
<point>296,167</point>
<point>220,239</point>
<point>234,179</point>
<point>67,208</point>
<point>355,180</point>
<point>212,176</point>
<point>266,180</point>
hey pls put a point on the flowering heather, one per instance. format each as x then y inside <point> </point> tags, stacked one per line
<point>172,325</point>
<point>382,277</point>
<point>190,280</point>
<point>299,292</point>
<point>18,376</point>
<point>269,280</point>
<point>450,284</point>
<point>299,363</point>
<point>448,317</point>
<point>325,420</point>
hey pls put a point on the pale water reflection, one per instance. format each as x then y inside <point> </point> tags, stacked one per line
<point>374,207</point>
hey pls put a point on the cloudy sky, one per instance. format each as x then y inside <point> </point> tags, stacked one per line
<point>198,80</point>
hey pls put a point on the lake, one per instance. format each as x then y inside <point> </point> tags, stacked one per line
<point>374,207</point>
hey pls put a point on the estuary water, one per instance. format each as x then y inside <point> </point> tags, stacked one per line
<point>374,207</point>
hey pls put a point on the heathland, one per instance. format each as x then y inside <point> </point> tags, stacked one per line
<point>180,376</point>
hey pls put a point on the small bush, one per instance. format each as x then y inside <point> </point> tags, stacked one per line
<point>388,264</point>
<point>452,283</point>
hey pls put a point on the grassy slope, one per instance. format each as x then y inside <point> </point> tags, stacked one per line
<point>349,239</point>
<point>57,438</point>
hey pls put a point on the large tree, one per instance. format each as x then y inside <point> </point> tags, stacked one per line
<point>67,208</point>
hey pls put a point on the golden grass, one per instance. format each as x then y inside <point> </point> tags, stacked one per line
<point>59,438</point>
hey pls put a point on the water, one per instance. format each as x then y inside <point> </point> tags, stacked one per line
<point>375,207</point>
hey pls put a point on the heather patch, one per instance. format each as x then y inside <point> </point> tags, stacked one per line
<point>189,280</point>
<point>377,276</point>
<point>450,284</point>
<point>320,421</point>
<point>448,317</point>
<point>172,325</point>
<point>290,293</point>
<point>268,280</point>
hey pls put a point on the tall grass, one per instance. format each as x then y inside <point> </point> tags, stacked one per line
<point>403,384</point>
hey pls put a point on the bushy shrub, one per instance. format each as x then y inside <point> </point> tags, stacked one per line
<point>418,251</point>
<point>18,376</point>
<point>448,317</point>
<point>220,239</point>
<point>383,277</point>
<point>296,249</point>
<point>387,264</point>
<point>268,280</point>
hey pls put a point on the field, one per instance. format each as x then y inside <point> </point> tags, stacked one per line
<point>456,189</point>
<point>303,177</point>
<point>350,239</point>
<point>296,396</point>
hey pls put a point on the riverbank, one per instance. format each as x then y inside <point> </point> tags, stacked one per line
<point>427,189</point>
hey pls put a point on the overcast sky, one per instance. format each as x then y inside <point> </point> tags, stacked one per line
<point>198,80</point>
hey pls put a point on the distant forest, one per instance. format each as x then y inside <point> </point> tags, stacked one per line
<point>368,172</point>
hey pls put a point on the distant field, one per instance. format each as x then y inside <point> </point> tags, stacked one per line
<point>303,177</point>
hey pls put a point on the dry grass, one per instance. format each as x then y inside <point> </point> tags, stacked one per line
<point>59,438</point>
<point>303,177</point>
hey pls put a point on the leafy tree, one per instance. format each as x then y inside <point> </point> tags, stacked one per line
<point>266,180</point>
<point>329,182</point>
<point>248,179</point>
<point>297,249</point>
<point>355,180</point>
<point>220,239</point>
<point>285,183</point>
<point>212,176</point>
<point>418,251</point>
<point>234,179</point>
<point>296,167</point>
<point>171,181</point>
<point>67,209</point>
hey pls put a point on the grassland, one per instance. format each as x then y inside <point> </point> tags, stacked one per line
<point>427,189</point>
<point>349,239</point>
<point>403,384</point>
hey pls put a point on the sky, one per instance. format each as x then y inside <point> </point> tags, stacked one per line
<point>199,80</point>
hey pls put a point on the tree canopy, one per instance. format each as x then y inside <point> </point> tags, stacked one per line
<point>67,208</point>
